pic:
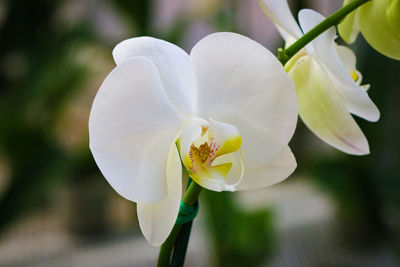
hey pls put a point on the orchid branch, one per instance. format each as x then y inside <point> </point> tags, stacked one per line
<point>285,54</point>
<point>190,198</point>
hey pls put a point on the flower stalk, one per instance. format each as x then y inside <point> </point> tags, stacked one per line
<point>334,19</point>
<point>190,198</point>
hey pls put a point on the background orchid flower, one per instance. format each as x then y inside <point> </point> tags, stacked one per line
<point>327,82</point>
<point>229,105</point>
<point>379,22</point>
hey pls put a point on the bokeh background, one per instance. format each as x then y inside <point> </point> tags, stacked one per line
<point>56,209</point>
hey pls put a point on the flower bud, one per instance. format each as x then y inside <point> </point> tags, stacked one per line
<point>379,23</point>
<point>393,15</point>
<point>348,29</point>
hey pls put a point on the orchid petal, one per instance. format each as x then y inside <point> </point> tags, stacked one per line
<point>172,63</point>
<point>308,19</point>
<point>131,126</point>
<point>325,51</point>
<point>323,110</point>
<point>259,145</point>
<point>347,57</point>
<point>275,171</point>
<point>348,28</point>
<point>157,220</point>
<point>236,170</point>
<point>279,12</point>
<point>378,27</point>
<point>357,100</point>
<point>239,78</point>
<point>225,173</point>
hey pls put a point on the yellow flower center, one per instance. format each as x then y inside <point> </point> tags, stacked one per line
<point>202,152</point>
<point>201,157</point>
<point>211,155</point>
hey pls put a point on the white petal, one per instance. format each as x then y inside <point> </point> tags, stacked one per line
<point>356,98</point>
<point>347,57</point>
<point>272,173</point>
<point>172,63</point>
<point>279,12</point>
<point>358,102</point>
<point>131,126</point>
<point>308,19</point>
<point>157,220</point>
<point>259,145</point>
<point>239,78</point>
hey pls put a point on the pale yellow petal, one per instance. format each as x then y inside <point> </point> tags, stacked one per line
<point>323,109</point>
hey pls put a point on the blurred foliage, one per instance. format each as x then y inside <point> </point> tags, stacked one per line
<point>137,14</point>
<point>240,238</point>
<point>39,74</point>
<point>353,189</point>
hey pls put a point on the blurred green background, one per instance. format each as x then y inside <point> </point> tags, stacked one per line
<point>56,209</point>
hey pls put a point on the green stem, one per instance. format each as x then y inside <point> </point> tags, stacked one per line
<point>192,194</point>
<point>190,198</point>
<point>330,21</point>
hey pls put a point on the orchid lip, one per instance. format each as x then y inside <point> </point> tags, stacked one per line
<point>207,150</point>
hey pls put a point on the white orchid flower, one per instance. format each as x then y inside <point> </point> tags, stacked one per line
<point>327,82</point>
<point>379,22</point>
<point>229,105</point>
